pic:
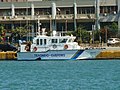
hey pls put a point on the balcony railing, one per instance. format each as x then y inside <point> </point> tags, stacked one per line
<point>86,16</point>
<point>109,17</point>
<point>106,18</point>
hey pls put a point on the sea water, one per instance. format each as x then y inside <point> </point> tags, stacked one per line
<point>60,75</point>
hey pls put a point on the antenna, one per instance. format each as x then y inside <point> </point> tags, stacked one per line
<point>39,24</point>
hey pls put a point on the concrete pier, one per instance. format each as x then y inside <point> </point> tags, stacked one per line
<point>109,54</point>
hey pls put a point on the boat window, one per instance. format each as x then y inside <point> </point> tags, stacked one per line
<point>40,41</point>
<point>44,41</point>
<point>37,41</point>
<point>71,40</point>
<point>54,40</point>
<point>62,40</point>
<point>117,39</point>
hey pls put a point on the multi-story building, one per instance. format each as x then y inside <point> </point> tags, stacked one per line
<point>60,15</point>
<point>13,0</point>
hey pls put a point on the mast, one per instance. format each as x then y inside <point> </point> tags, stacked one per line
<point>39,24</point>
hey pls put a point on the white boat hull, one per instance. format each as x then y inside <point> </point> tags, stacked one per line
<point>59,55</point>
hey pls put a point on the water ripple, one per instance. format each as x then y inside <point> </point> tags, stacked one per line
<point>60,75</point>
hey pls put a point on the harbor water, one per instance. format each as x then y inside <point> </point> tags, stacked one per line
<point>60,75</point>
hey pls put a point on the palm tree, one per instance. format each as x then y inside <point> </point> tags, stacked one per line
<point>82,35</point>
<point>2,33</point>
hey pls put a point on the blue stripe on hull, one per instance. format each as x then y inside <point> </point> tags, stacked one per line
<point>79,52</point>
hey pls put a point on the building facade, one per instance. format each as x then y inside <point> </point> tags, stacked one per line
<point>13,0</point>
<point>60,15</point>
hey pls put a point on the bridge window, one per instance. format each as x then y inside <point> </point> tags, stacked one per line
<point>41,41</point>
<point>44,41</point>
<point>63,40</point>
<point>54,40</point>
<point>71,40</point>
<point>37,41</point>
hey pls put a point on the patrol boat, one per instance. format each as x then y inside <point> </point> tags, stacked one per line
<point>55,47</point>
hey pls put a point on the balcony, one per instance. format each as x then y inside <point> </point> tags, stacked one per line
<point>86,16</point>
<point>109,17</point>
<point>47,17</point>
<point>103,18</point>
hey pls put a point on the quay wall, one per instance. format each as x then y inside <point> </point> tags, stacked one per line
<point>8,55</point>
<point>105,54</point>
<point>109,54</point>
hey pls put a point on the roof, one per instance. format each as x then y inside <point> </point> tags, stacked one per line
<point>60,3</point>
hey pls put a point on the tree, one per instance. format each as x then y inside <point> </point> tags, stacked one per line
<point>109,31</point>
<point>82,35</point>
<point>2,33</point>
<point>113,30</point>
<point>18,33</point>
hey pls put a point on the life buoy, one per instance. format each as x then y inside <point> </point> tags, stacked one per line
<point>65,46</point>
<point>35,49</point>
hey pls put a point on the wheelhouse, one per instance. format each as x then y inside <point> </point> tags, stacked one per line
<point>42,41</point>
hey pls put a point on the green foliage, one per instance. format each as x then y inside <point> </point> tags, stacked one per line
<point>113,30</point>
<point>20,30</point>
<point>2,33</point>
<point>19,33</point>
<point>82,35</point>
<point>110,30</point>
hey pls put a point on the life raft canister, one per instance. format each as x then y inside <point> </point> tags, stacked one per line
<point>27,48</point>
<point>35,49</point>
<point>65,46</point>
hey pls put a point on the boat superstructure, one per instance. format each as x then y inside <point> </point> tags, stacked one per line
<point>43,43</point>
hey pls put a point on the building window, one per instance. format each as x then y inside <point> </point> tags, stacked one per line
<point>89,10</point>
<point>67,12</point>
<point>108,9</point>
